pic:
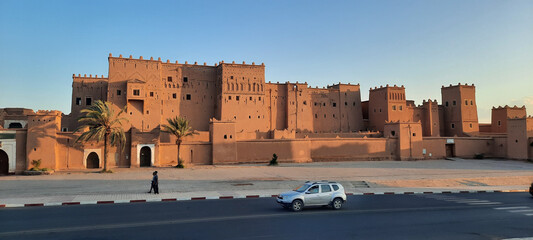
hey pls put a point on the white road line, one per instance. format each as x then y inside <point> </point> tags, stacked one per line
<point>509,208</point>
<point>529,214</point>
<point>487,203</point>
<point>523,210</point>
<point>473,201</point>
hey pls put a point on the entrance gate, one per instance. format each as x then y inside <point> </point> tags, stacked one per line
<point>93,161</point>
<point>4,163</point>
<point>146,157</point>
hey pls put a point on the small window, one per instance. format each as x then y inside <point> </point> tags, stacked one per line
<point>64,129</point>
<point>325,188</point>
<point>174,95</point>
<point>499,123</point>
<point>393,133</point>
<point>136,92</point>
<point>316,115</point>
<point>345,103</point>
<point>454,102</point>
<point>471,102</point>
<point>305,102</point>
<point>374,110</point>
<point>78,101</point>
<point>250,117</point>
<point>315,103</point>
<point>231,77</point>
<point>229,97</point>
<point>151,94</point>
<point>260,99</point>
<point>380,110</point>
<point>414,134</point>
<point>335,187</point>
<point>353,104</point>
<point>334,104</point>
<point>188,97</point>
<point>470,125</point>
<point>88,101</point>
<point>225,136</point>
<point>324,104</point>
<point>237,98</point>
<point>185,79</point>
<point>230,136</point>
<point>119,92</point>
<point>169,79</point>
<point>446,104</point>
<point>453,125</point>
<point>393,107</point>
<point>333,115</point>
<point>250,98</point>
<point>466,102</point>
<point>324,115</point>
<point>401,108</point>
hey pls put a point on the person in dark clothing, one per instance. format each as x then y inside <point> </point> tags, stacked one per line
<point>155,184</point>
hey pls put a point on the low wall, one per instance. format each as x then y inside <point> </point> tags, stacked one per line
<point>197,153</point>
<point>464,147</point>
<point>350,149</point>
<point>435,147</point>
<point>261,151</point>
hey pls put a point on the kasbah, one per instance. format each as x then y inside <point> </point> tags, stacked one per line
<point>241,118</point>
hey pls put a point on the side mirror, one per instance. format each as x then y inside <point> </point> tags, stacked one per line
<point>307,192</point>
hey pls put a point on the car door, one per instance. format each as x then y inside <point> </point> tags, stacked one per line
<point>312,195</point>
<point>325,194</point>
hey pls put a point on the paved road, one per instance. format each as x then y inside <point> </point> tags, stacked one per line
<point>427,216</point>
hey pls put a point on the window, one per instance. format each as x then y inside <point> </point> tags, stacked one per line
<point>454,103</point>
<point>231,77</point>
<point>237,98</point>
<point>305,102</point>
<point>345,103</point>
<point>335,187</point>
<point>499,123</point>
<point>393,107</point>
<point>136,92</point>
<point>392,133</point>
<point>333,115</point>
<point>380,110</point>
<point>313,189</point>
<point>174,95</point>
<point>169,79</point>
<point>315,103</point>
<point>414,134</point>
<point>316,115</point>
<point>446,103</point>
<point>229,97</point>
<point>225,136</point>
<point>471,102</point>
<point>353,104</point>
<point>151,94</point>
<point>188,97</point>
<point>260,99</point>
<point>119,92</point>
<point>453,125</point>
<point>78,101</point>
<point>64,130</point>
<point>374,110</point>
<point>185,79</point>
<point>466,102</point>
<point>334,104</point>
<point>88,101</point>
<point>325,188</point>
<point>401,108</point>
<point>250,98</point>
<point>470,125</point>
<point>324,104</point>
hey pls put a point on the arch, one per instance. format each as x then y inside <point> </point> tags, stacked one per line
<point>232,87</point>
<point>249,87</point>
<point>15,125</point>
<point>254,87</point>
<point>242,88</point>
<point>4,163</point>
<point>93,161</point>
<point>261,87</point>
<point>146,157</point>
<point>227,86</point>
<point>236,86</point>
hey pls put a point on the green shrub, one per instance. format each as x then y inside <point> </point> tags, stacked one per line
<point>36,164</point>
<point>274,161</point>
<point>180,163</point>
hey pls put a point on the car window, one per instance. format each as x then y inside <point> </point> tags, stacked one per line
<point>335,187</point>
<point>325,188</point>
<point>313,189</point>
<point>301,188</point>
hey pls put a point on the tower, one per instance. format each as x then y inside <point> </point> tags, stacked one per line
<point>460,110</point>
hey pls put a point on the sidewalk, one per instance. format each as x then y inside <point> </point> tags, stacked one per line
<point>241,181</point>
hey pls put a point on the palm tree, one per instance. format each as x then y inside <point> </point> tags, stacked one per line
<point>179,127</point>
<point>102,125</point>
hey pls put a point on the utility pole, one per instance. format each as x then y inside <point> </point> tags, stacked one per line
<point>410,147</point>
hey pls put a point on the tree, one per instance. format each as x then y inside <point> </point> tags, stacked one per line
<point>179,127</point>
<point>103,125</point>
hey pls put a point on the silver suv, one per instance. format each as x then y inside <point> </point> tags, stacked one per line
<point>321,193</point>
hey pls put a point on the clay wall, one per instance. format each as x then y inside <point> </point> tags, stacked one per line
<point>499,146</point>
<point>501,114</point>
<point>435,147</point>
<point>242,98</point>
<point>197,153</point>
<point>85,90</point>
<point>222,138</point>
<point>519,130</point>
<point>41,138</point>
<point>342,149</point>
<point>277,104</point>
<point>20,138</point>
<point>254,151</point>
<point>460,110</point>
<point>409,139</point>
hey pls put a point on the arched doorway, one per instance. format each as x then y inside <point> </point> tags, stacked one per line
<point>146,157</point>
<point>93,161</point>
<point>4,163</point>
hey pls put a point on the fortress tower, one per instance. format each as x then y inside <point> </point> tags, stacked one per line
<point>387,104</point>
<point>460,110</point>
<point>501,114</point>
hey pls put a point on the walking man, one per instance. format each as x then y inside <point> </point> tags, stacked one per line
<point>155,184</point>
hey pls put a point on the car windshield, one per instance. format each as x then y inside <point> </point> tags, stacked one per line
<point>302,188</point>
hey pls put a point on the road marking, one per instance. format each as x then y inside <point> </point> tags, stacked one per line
<point>529,214</point>
<point>509,208</point>
<point>523,210</point>
<point>487,203</point>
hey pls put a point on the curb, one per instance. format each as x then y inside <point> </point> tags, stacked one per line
<point>231,197</point>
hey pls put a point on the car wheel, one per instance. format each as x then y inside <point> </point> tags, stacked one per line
<point>297,205</point>
<point>337,203</point>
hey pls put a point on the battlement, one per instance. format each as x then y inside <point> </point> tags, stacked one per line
<point>387,87</point>
<point>141,58</point>
<point>507,107</point>
<point>522,118</point>
<point>79,77</point>
<point>429,101</point>
<point>399,121</point>
<point>460,85</point>
<point>47,113</point>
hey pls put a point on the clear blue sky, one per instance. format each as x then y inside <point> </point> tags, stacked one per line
<point>419,44</point>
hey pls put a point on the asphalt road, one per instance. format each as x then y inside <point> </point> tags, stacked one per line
<point>427,216</point>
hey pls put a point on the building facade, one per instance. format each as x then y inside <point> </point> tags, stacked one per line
<point>240,117</point>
